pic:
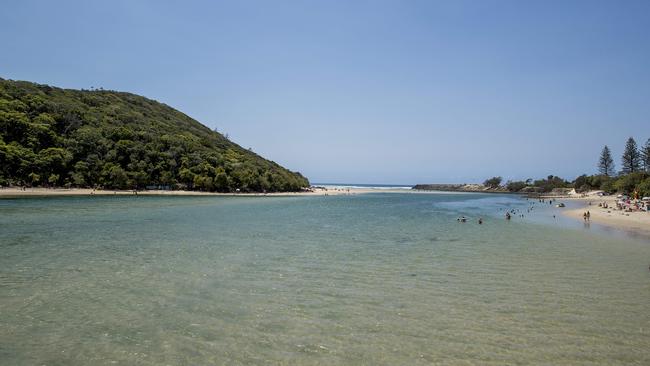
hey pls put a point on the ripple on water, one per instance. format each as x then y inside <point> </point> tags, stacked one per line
<point>375,279</point>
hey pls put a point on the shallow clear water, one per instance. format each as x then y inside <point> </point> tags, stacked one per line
<point>389,279</point>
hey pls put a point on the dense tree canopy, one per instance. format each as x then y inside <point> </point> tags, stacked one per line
<point>60,137</point>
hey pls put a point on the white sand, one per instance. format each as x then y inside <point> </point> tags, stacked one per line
<point>637,221</point>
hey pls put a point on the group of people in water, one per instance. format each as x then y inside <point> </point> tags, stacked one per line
<point>464,219</point>
<point>586,216</point>
<point>515,212</point>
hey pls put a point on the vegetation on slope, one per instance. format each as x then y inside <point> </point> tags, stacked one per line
<point>60,137</point>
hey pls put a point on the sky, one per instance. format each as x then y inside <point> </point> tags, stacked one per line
<point>399,92</point>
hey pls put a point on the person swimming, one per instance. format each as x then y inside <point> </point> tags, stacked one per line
<point>480,221</point>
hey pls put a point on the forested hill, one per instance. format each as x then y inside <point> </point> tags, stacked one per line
<point>95,138</point>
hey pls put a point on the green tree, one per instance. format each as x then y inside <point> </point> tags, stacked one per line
<point>608,186</point>
<point>582,183</point>
<point>78,179</point>
<point>493,182</point>
<point>644,188</point>
<point>113,176</point>
<point>203,182</point>
<point>53,160</point>
<point>187,177</point>
<point>80,173</point>
<point>631,159</point>
<point>166,178</point>
<point>627,183</point>
<point>137,179</point>
<point>221,180</point>
<point>606,163</point>
<point>53,179</point>
<point>551,182</point>
<point>645,156</point>
<point>515,186</point>
<point>34,178</point>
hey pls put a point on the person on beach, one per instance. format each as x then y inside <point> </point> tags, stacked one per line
<point>588,216</point>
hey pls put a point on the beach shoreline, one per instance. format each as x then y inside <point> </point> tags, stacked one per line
<point>326,190</point>
<point>30,192</point>
<point>636,221</point>
<point>15,192</point>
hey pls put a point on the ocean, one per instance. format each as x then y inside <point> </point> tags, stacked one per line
<point>368,279</point>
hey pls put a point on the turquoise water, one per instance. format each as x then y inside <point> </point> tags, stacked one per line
<point>377,279</point>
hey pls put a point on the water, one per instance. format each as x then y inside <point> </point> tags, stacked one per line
<point>364,186</point>
<point>377,279</point>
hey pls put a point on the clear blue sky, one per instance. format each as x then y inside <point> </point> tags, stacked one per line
<point>365,91</point>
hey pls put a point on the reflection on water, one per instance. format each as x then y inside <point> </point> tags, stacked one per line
<point>368,279</point>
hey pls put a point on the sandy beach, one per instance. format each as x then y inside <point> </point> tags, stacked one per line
<point>636,221</point>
